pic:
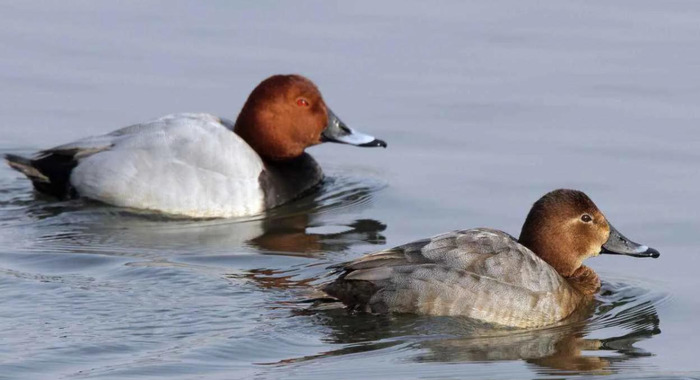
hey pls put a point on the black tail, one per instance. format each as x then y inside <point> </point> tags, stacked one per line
<point>49,174</point>
<point>26,167</point>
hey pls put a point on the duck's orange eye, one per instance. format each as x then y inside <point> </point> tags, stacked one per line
<point>586,218</point>
<point>301,102</point>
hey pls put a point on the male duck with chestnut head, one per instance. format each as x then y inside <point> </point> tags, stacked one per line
<point>201,165</point>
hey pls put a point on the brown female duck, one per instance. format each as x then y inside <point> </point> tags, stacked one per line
<point>487,274</point>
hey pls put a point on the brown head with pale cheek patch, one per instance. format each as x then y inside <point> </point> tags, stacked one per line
<point>565,227</point>
<point>283,115</point>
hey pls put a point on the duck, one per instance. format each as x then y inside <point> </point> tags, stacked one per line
<point>488,275</point>
<point>200,165</point>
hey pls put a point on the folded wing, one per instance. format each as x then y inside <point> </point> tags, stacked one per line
<point>480,273</point>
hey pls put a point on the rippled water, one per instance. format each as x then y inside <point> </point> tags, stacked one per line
<point>486,106</point>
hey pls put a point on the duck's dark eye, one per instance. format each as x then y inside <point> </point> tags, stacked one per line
<point>586,218</point>
<point>301,102</point>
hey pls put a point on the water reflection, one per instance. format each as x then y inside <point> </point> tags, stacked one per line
<point>622,315</point>
<point>299,235</point>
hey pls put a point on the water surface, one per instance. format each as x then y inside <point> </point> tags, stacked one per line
<point>485,106</point>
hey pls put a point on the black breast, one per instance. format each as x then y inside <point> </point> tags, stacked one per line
<point>283,181</point>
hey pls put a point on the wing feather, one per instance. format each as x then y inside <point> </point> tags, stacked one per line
<point>463,272</point>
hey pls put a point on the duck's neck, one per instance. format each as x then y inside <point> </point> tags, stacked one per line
<point>285,180</point>
<point>267,143</point>
<point>581,277</point>
<point>584,280</point>
<point>550,250</point>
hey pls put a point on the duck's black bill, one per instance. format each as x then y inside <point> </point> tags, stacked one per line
<point>337,131</point>
<point>618,244</point>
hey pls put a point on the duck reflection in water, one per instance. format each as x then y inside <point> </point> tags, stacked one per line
<point>297,229</point>
<point>300,229</point>
<point>298,235</point>
<point>562,348</point>
<point>291,237</point>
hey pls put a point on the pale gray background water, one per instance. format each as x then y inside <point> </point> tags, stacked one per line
<point>485,105</point>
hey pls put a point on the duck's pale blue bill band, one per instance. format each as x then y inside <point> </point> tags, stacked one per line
<point>618,244</point>
<point>337,131</point>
